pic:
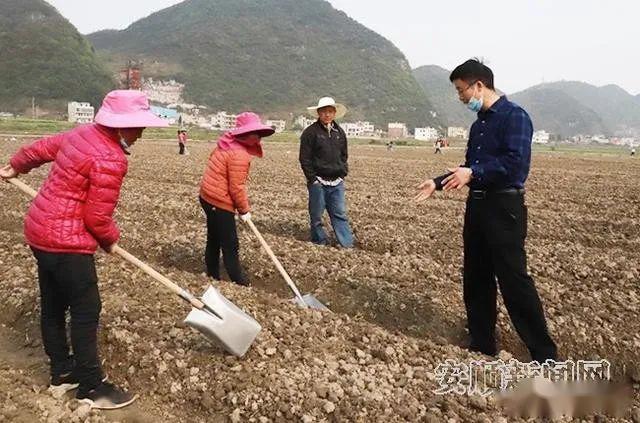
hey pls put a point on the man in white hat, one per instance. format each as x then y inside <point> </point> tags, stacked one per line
<point>323,158</point>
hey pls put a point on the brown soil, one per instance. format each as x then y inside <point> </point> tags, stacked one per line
<point>396,298</point>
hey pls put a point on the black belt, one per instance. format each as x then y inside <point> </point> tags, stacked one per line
<point>481,194</point>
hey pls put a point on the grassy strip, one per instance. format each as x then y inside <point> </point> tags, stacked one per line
<point>19,126</point>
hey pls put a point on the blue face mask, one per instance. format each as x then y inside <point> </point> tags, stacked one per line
<point>475,104</point>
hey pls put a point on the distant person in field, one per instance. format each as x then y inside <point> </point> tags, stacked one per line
<point>495,225</point>
<point>438,146</point>
<point>390,145</point>
<point>633,151</point>
<point>182,141</point>
<point>223,193</point>
<point>69,218</point>
<point>323,158</point>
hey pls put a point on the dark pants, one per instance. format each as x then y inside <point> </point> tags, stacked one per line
<point>495,229</point>
<point>181,145</point>
<point>222,235</point>
<point>69,282</point>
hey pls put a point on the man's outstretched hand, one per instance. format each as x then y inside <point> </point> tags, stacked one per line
<point>425,190</point>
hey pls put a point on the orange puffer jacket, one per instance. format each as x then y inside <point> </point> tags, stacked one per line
<point>225,178</point>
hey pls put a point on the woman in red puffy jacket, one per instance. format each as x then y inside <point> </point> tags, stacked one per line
<point>69,218</point>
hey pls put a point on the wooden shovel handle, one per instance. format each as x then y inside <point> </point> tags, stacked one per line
<point>23,187</point>
<point>157,276</point>
<point>275,260</point>
<point>129,257</point>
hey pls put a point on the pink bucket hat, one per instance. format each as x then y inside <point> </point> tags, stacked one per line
<point>250,122</point>
<point>127,109</point>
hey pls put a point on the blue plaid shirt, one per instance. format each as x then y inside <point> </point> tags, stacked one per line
<point>499,147</point>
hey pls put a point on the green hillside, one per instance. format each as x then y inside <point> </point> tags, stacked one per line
<point>440,92</point>
<point>272,56</point>
<point>45,57</point>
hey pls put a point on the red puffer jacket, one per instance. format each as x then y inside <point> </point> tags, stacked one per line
<point>73,210</point>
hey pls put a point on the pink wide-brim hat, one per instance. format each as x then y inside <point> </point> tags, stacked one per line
<point>250,122</point>
<point>127,109</point>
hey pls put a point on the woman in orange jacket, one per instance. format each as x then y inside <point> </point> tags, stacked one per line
<point>223,192</point>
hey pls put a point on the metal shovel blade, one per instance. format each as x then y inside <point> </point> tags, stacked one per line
<point>310,301</point>
<point>229,327</point>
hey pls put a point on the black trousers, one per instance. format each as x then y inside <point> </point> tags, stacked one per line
<point>222,236</point>
<point>181,148</point>
<point>69,282</point>
<point>495,229</point>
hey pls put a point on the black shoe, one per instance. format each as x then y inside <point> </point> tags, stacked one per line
<point>486,350</point>
<point>64,382</point>
<point>106,396</point>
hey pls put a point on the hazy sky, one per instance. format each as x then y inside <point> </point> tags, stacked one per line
<point>525,42</point>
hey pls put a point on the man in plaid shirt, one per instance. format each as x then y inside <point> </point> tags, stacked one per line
<point>496,167</point>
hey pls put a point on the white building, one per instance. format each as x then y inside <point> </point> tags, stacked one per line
<point>397,130</point>
<point>164,92</point>
<point>189,119</point>
<point>80,112</point>
<point>456,132</point>
<point>358,129</point>
<point>223,120</point>
<point>351,129</point>
<point>426,134</point>
<point>303,121</point>
<point>600,139</point>
<point>200,120</point>
<point>620,141</point>
<point>541,137</point>
<point>278,125</point>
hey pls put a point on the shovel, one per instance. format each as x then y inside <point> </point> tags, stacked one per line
<point>307,300</point>
<point>215,317</point>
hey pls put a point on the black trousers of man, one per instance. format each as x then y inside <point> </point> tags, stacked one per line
<point>69,282</point>
<point>495,229</point>
<point>222,235</point>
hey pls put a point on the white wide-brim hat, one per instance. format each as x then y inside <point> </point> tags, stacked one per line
<point>341,109</point>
